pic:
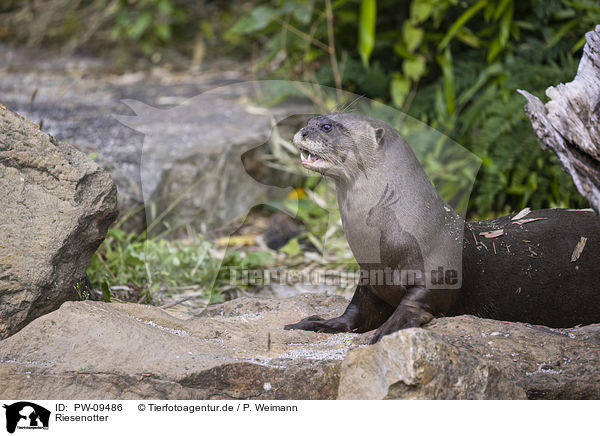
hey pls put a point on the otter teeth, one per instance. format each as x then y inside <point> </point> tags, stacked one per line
<point>308,156</point>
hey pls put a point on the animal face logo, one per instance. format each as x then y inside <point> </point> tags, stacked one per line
<point>26,415</point>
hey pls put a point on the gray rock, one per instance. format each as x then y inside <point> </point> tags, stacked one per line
<point>420,364</point>
<point>239,350</point>
<point>546,362</point>
<point>179,155</point>
<point>55,207</point>
<point>467,357</point>
<point>97,350</point>
<point>191,165</point>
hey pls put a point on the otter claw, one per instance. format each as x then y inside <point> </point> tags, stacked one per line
<point>319,325</point>
<point>401,320</point>
<point>301,325</point>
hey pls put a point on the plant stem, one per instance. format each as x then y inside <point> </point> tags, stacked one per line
<point>334,64</point>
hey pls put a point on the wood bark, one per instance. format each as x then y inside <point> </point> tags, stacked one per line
<point>536,266</point>
<point>569,124</point>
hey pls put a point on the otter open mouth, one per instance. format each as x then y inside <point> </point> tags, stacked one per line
<point>310,159</point>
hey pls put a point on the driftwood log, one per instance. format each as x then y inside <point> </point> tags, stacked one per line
<point>548,259</point>
<point>569,124</point>
<point>540,266</point>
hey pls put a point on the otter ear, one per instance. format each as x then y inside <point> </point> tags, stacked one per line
<point>379,133</point>
<point>373,135</point>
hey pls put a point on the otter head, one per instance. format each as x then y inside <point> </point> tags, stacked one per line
<point>339,145</point>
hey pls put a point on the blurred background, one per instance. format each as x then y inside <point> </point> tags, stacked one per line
<point>454,65</point>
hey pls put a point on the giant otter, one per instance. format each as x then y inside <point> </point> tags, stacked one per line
<point>523,272</point>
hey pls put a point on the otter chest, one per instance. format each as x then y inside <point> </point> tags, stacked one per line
<point>364,241</point>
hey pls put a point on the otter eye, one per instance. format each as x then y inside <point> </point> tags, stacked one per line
<point>326,127</point>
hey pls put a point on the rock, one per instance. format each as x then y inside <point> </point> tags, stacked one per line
<point>98,350</point>
<point>546,362</point>
<point>191,167</point>
<point>466,357</point>
<point>419,364</point>
<point>239,350</point>
<point>183,147</point>
<point>55,207</point>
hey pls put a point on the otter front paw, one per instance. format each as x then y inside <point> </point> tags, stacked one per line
<point>401,319</point>
<point>317,324</point>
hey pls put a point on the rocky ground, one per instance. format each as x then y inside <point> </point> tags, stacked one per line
<point>239,350</point>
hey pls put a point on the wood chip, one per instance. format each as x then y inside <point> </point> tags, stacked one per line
<point>492,234</point>
<point>521,214</point>
<point>528,220</point>
<point>242,240</point>
<point>578,249</point>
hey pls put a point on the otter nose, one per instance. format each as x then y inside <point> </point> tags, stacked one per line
<point>304,133</point>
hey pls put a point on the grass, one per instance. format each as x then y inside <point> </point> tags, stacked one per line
<point>130,267</point>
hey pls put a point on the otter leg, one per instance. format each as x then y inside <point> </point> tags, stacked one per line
<point>365,312</point>
<point>415,309</point>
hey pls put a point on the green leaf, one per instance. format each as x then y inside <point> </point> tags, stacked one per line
<point>468,37</point>
<point>401,50</point>
<point>559,34</point>
<point>303,11</point>
<point>578,45</point>
<point>445,62</point>
<point>420,10</point>
<point>494,49</point>
<point>491,71</point>
<point>505,26</point>
<point>414,69</point>
<point>140,25</point>
<point>260,18</point>
<point>461,21</point>
<point>413,36</point>
<point>399,89</point>
<point>243,25</point>
<point>292,248</point>
<point>105,292</point>
<point>499,10</point>
<point>366,29</point>
<point>163,31</point>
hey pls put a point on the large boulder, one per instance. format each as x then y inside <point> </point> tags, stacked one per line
<point>467,357</point>
<point>239,350</point>
<point>98,350</point>
<point>55,207</point>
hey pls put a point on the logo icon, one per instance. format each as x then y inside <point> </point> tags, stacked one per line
<point>26,415</point>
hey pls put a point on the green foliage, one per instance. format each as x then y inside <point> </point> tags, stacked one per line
<point>366,29</point>
<point>159,264</point>
<point>157,30</point>
<point>454,65</point>
<point>148,23</point>
<point>82,293</point>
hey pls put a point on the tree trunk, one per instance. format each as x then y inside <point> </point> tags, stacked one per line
<point>569,124</point>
